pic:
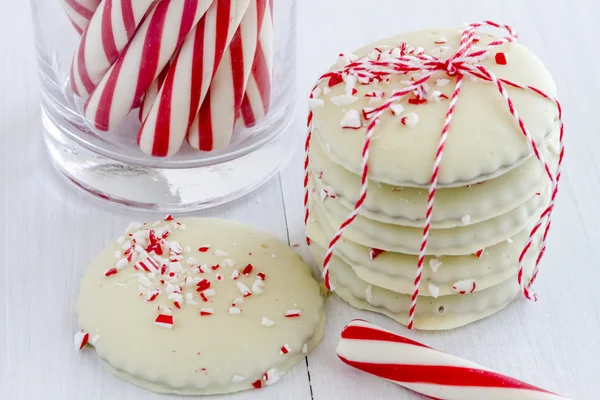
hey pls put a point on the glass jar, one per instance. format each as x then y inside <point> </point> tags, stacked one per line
<point>168,105</point>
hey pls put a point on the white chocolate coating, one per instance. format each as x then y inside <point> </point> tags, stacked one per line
<point>217,353</point>
<point>405,205</point>
<point>396,271</point>
<point>484,141</point>
<point>444,312</point>
<point>467,239</point>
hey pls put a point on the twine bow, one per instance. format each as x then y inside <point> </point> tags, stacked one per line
<point>465,62</point>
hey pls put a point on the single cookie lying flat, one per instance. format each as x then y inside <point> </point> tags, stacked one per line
<point>199,306</point>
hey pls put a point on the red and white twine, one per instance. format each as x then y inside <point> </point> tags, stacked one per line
<point>465,62</point>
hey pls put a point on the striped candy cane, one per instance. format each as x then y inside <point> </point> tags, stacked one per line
<point>424,370</point>
<point>188,80</point>
<point>213,126</point>
<point>80,12</point>
<point>163,31</point>
<point>109,31</point>
<point>257,98</point>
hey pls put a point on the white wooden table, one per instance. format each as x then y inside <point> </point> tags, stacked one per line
<point>50,232</point>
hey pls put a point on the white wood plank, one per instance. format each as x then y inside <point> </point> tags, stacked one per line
<point>551,343</point>
<point>49,234</point>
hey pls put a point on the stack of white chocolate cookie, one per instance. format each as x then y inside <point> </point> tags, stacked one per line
<point>491,188</point>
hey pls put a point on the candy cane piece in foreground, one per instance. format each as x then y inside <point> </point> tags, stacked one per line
<point>427,371</point>
<point>213,126</point>
<point>257,98</point>
<point>80,12</point>
<point>163,31</point>
<point>189,79</point>
<point>108,32</point>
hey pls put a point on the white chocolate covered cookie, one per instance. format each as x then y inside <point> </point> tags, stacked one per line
<point>466,239</point>
<point>396,271</point>
<point>444,312</point>
<point>404,205</point>
<point>199,306</point>
<point>484,141</point>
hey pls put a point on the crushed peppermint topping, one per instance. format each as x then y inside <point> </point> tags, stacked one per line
<point>228,262</point>
<point>234,310</point>
<point>247,270</point>
<point>293,313</point>
<point>221,253</point>
<point>237,301</point>
<point>465,286</point>
<point>219,277</point>
<point>257,384</point>
<point>434,290</point>
<point>81,339</point>
<point>479,253</point>
<point>164,321</point>
<point>110,272</point>
<point>373,253</point>
<point>257,286</point>
<point>351,120</point>
<point>500,58</point>
<point>344,100</point>
<point>94,340</point>
<point>285,349</point>
<point>266,322</point>
<point>204,248</point>
<point>410,120</point>
<point>369,293</point>
<point>396,109</point>
<point>315,103</point>
<point>206,312</point>
<point>270,377</point>
<point>235,274</point>
<point>304,348</point>
<point>244,289</point>
<point>466,219</point>
<point>261,275</point>
<point>434,264</point>
<point>153,294</point>
<point>238,379</point>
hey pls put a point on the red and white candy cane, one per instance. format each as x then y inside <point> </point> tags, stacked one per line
<point>424,370</point>
<point>213,126</point>
<point>257,98</point>
<point>189,78</point>
<point>80,12</point>
<point>163,31</point>
<point>108,33</point>
<point>465,62</point>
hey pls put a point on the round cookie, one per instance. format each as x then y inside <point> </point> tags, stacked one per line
<point>405,205</point>
<point>466,239</point>
<point>396,271</point>
<point>215,307</point>
<point>484,141</point>
<point>444,312</point>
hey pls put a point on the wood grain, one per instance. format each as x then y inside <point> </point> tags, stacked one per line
<point>49,231</point>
